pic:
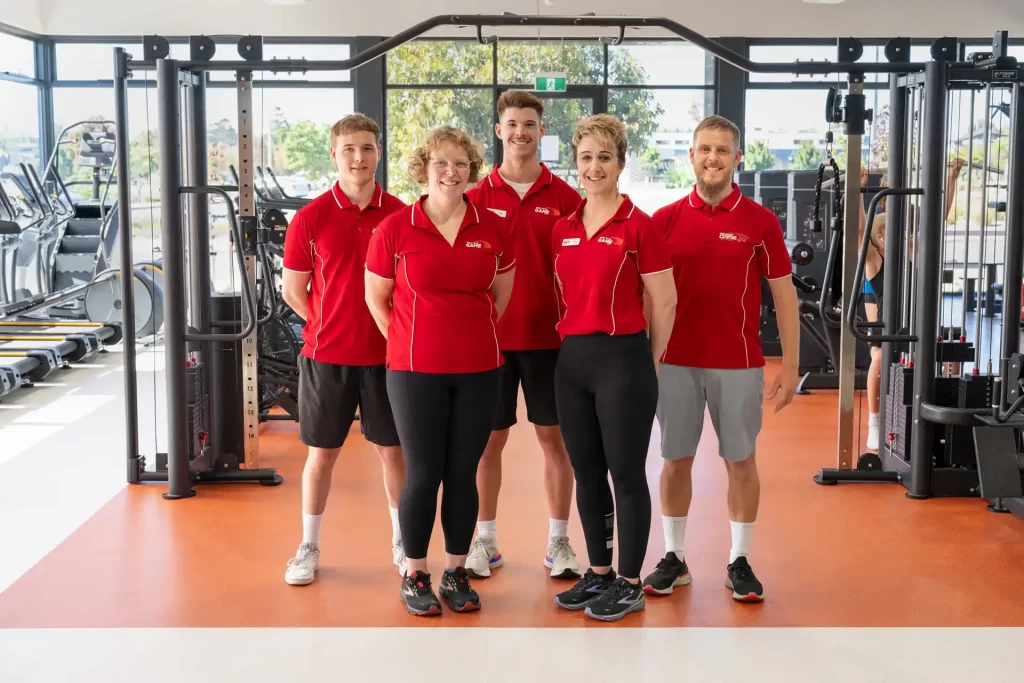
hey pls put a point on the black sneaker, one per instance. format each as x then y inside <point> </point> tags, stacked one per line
<point>745,586</point>
<point>456,590</point>
<point>588,588</point>
<point>670,572</point>
<point>417,595</point>
<point>621,598</point>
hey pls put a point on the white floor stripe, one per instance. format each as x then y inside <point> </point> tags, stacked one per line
<point>590,655</point>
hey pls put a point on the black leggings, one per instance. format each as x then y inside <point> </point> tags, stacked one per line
<point>444,422</point>
<point>607,395</point>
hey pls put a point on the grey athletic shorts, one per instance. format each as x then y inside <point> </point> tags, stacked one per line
<point>733,397</point>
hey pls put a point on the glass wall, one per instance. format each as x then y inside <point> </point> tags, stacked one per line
<point>19,102</point>
<point>659,89</point>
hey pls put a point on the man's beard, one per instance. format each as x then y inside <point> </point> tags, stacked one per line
<point>711,190</point>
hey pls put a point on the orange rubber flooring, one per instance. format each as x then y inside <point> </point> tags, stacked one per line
<point>848,555</point>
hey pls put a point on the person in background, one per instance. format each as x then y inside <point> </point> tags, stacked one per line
<point>342,362</point>
<point>439,275</point>
<point>530,198</point>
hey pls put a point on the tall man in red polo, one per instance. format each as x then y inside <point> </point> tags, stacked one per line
<point>721,244</point>
<point>524,192</point>
<point>343,353</point>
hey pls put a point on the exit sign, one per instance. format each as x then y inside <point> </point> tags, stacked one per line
<point>550,82</point>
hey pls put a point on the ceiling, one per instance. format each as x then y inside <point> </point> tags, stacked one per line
<point>755,18</point>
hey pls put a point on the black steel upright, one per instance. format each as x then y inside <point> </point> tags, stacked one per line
<point>1013,270</point>
<point>199,215</point>
<point>174,279</point>
<point>927,263</point>
<point>894,209</point>
<point>124,235</point>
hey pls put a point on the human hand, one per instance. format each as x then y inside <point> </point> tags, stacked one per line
<point>784,387</point>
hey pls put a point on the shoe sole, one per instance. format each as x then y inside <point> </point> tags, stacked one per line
<point>468,606</point>
<point>567,573</point>
<point>300,582</point>
<point>635,607</point>
<point>432,611</point>
<point>492,565</point>
<point>749,597</point>
<point>575,608</point>
<point>684,580</point>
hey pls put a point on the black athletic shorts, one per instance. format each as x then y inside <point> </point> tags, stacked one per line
<point>535,370</point>
<point>328,397</point>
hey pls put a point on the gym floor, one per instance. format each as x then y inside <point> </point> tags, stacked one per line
<point>101,581</point>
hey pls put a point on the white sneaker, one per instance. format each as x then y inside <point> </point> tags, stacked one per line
<point>302,568</point>
<point>399,558</point>
<point>561,559</point>
<point>483,557</point>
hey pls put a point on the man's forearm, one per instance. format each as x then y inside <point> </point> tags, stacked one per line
<point>299,304</point>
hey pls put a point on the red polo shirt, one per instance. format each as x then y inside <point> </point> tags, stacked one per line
<point>328,238</point>
<point>443,318</point>
<point>719,255</point>
<point>600,278</point>
<point>532,314</point>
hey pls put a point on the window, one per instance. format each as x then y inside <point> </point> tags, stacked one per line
<point>440,62</point>
<point>520,61</point>
<point>19,127</point>
<point>17,56</point>
<point>411,113</point>
<point>651,63</point>
<point>95,61</point>
<point>660,125</point>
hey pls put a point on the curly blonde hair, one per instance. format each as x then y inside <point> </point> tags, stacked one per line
<point>437,137</point>
<point>605,127</point>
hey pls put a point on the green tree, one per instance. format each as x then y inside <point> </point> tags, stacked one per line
<point>758,156</point>
<point>412,112</point>
<point>306,146</point>
<point>806,156</point>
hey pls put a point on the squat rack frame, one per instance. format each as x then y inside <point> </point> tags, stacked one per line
<point>178,335</point>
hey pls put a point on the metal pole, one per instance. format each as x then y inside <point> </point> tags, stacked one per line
<point>1013,272</point>
<point>174,279</point>
<point>892,296</point>
<point>926,262</point>
<point>967,229</point>
<point>247,220</point>
<point>124,235</point>
<point>979,286</point>
<point>851,249</point>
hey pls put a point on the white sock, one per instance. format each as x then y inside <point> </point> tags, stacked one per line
<point>675,532</point>
<point>742,535</point>
<point>557,527</point>
<point>396,528</point>
<point>488,529</point>
<point>872,420</point>
<point>311,529</point>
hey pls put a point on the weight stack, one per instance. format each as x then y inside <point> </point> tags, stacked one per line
<point>947,394</point>
<point>900,409</point>
<point>974,391</point>
<point>196,410</point>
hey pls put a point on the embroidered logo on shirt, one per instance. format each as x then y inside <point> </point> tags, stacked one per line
<point>617,241</point>
<point>733,237</point>
<point>548,212</point>
<point>478,245</point>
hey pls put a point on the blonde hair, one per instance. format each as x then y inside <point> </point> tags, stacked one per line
<point>354,123</point>
<point>437,137</point>
<point>519,99</point>
<point>715,122</point>
<point>605,127</point>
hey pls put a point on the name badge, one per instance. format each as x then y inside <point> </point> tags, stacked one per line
<point>571,242</point>
<point>500,212</point>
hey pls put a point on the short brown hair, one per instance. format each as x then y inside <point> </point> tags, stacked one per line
<point>606,127</point>
<point>354,123</point>
<point>421,156</point>
<point>716,122</point>
<point>519,99</point>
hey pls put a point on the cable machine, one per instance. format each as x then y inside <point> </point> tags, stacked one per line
<point>204,445</point>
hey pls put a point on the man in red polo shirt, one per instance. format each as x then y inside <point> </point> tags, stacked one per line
<point>527,195</point>
<point>721,244</point>
<point>343,353</point>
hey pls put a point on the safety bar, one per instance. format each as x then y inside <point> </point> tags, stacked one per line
<point>858,277</point>
<point>508,19</point>
<point>247,294</point>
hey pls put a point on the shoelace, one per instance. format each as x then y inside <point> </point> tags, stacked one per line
<point>303,558</point>
<point>619,589</point>
<point>560,548</point>
<point>478,547</point>
<point>420,582</point>
<point>667,565</point>
<point>461,580</point>
<point>587,580</point>
<point>742,572</point>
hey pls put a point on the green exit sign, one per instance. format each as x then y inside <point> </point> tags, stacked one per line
<point>550,82</point>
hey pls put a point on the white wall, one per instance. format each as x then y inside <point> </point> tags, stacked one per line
<point>765,18</point>
<point>25,14</point>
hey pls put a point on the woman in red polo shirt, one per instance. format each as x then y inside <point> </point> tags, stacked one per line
<point>609,262</point>
<point>439,274</point>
